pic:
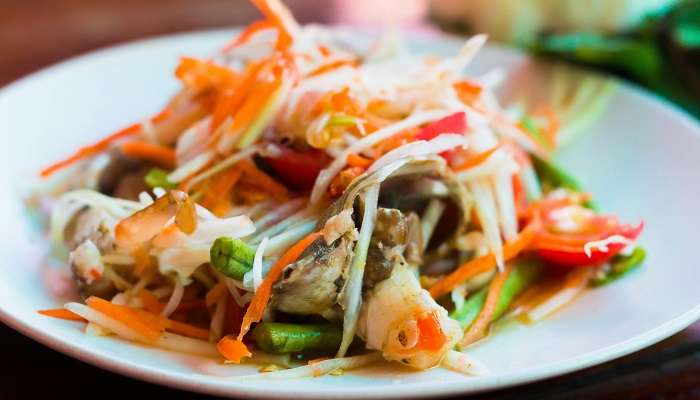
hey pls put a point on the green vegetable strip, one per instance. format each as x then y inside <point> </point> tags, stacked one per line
<point>620,266</point>
<point>552,177</point>
<point>523,274</point>
<point>232,257</point>
<point>281,338</point>
<point>157,177</point>
<point>341,120</point>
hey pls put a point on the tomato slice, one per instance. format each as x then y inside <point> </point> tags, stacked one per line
<point>296,169</point>
<point>455,123</point>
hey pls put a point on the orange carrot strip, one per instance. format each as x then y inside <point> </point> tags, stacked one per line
<point>92,149</point>
<point>235,349</point>
<point>355,160</point>
<point>158,154</point>
<point>214,294</point>
<point>275,12</point>
<point>150,301</point>
<point>261,179</point>
<point>62,313</point>
<point>221,188</point>
<point>478,328</point>
<point>232,349</point>
<point>128,317</point>
<point>185,329</point>
<point>476,159</point>
<point>322,69</point>
<point>250,109</point>
<point>248,33</point>
<point>485,263</point>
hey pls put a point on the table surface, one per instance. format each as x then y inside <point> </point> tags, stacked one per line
<point>37,33</point>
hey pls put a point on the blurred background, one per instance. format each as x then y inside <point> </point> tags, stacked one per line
<point>653,42</point>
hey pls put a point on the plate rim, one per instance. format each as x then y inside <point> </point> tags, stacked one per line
<point>222,387</point>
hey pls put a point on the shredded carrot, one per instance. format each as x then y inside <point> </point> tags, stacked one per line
<point>160,155</point>
<point>214,294</point>
<point>150,301</point>
<point>485,263</point>
<point>355,160</point>
<point>232,349</point>
<point>92,149</point>
<point>150,328</point>
<point>261,179</point>
<point>279,16</point>
<point>192,331</point>
<point>201,75</point>
<point>325,51</point>
<point>259,95</point>
<point>62,313</point>
<point>467,92</point>
<point>478,328</point>
<point>247,34</point>
<point>322,69</point>
<point>219,192</point>
<point>235,349</point>
<point>477,159</point>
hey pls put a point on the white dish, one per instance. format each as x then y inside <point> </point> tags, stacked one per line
<point>641,159</point>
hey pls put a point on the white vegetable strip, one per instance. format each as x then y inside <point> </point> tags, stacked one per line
<point>258,263</point>
<point>191,167</point>
<point>464,363</point>
<point>503,189</point>
<point>222,165</point>
<point>284,240</point>
<point>486,209</point>
<point>175,298</point>
<point>320,368</point>
<point>326,176</point>
<point>498,161</point>
<point>107,322</point>
<point>430,219</point>
<point>444,142</point>
<point>280,213</point>
<point>351,300</point>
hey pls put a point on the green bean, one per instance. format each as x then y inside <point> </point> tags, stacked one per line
<point>620,266</point>
<point>231,257</point>
<point>157,177</point>
<point>523,274</point>
<point>281,338</point>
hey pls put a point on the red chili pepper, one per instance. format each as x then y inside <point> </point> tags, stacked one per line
<point>296,169</point>
<point>455,123</point>
<point>570,255</point>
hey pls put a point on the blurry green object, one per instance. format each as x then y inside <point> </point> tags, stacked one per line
<point>662,53</point>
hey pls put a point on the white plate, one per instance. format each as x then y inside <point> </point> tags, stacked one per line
<point>642,159</point>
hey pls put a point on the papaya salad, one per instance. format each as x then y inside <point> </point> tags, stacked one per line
<point>313,207</point>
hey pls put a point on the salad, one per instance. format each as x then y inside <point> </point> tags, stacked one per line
<point>312,207</point>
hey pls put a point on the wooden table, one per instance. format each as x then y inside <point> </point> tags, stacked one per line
<point>36,33</point>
